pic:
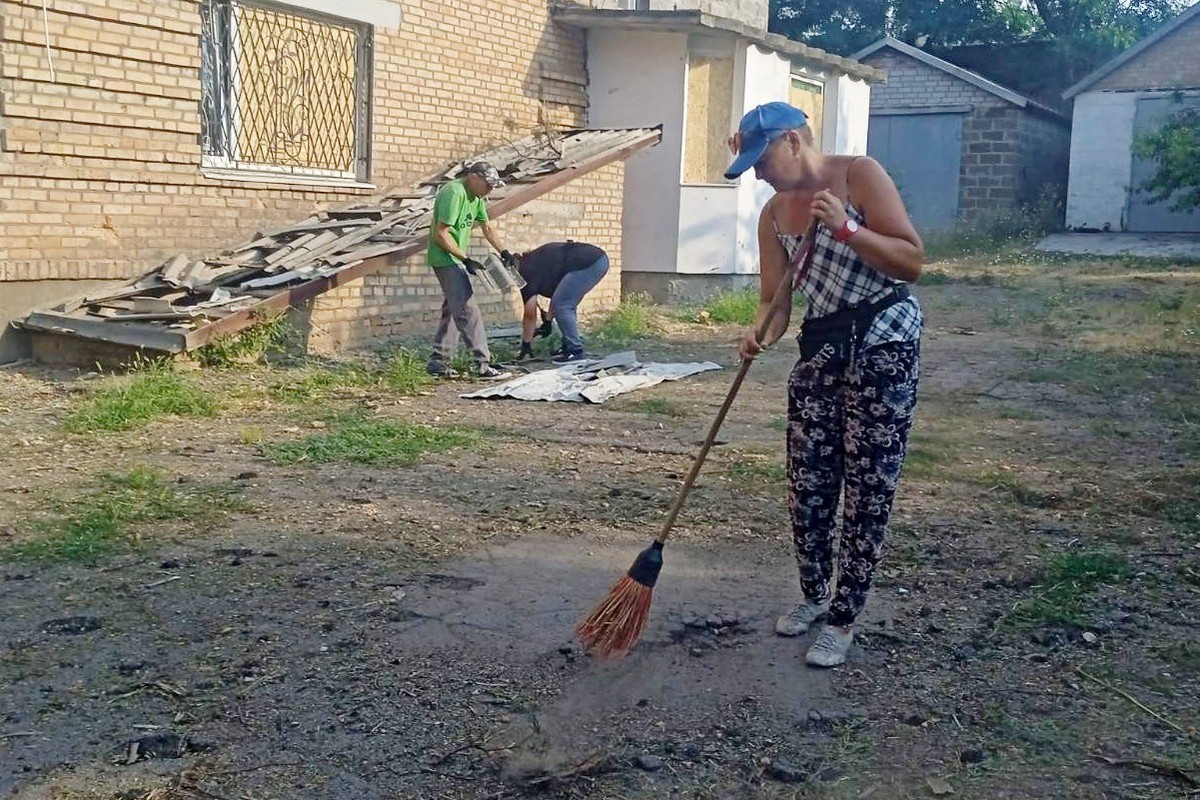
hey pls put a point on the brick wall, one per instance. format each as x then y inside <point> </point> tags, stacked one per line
<point>1170,63</point>
<point>100,162</point>
<point>1008,153</point>
<point>911,84</point>
<point>991,159</point>
<point>1045,151</point>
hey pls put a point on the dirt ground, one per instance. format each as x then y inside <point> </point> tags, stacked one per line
<point>354,632</point>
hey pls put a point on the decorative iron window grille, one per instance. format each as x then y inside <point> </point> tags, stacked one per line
<point>284,91</point>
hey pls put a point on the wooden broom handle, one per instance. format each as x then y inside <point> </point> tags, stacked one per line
<point>783,293</point>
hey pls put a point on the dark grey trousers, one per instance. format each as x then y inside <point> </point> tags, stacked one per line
<point>460,315</point>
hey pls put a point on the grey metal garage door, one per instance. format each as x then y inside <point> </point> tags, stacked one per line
<point>922,153</point>
<point>1144,216</point>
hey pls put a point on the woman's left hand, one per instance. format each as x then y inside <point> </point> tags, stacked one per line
<point>828,208</point>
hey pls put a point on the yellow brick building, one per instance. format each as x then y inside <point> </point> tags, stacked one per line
<point>123,144</point>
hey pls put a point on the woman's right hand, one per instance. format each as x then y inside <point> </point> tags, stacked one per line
<point>750,346</point>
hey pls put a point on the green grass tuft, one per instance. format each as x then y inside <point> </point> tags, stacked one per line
<point>269,336</point>
<point>627,323</point>
<point>737,307</point>
<point>137,399</point>
<point>1064,586</point>
<point>360,441</point>
<point>402,372</point>
<point>405,373</point>
<point>927,456</point>
<point>107,519</point>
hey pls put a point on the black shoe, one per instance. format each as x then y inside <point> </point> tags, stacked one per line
<point>486,372</point>
<point>439,369</point>
<point>567,358</point>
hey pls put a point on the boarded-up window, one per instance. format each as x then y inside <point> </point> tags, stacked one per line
<point>809,96</point>
<point>284,92</point>
<point>709,115</point>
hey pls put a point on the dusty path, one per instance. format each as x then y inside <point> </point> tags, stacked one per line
<point>353,632</point>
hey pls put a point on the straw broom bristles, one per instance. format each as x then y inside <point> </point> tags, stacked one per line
<point>616,622</point>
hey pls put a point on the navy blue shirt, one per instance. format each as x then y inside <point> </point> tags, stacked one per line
<point>545,267</point>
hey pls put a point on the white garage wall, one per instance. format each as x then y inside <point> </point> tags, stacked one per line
<point>1101,158</point>
<point>638,79</point>
<point>853,114</point>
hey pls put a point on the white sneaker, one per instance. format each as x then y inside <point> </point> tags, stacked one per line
<point>831,647</point>
<point>800,618</point>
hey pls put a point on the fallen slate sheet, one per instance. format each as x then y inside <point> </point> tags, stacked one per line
<point>592,381</point>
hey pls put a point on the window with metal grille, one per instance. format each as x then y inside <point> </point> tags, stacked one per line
<point>284,92</point>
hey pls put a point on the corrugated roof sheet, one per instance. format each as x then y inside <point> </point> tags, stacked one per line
<point>186,303</point>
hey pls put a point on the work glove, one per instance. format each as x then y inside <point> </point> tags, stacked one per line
<point>471,265</point>
<point>543,330</point>
<point>508,259</point>
<point>526,350</point>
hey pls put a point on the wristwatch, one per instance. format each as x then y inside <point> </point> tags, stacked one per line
<point>847,231</point>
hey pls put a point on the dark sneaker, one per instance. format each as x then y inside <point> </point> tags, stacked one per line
<point>567,358</point>
<point>486,372</point>
<point>439,369</point>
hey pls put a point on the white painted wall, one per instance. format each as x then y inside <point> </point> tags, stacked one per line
<point>708,229</point>
<point>1101,159</point>
<point>768,77</point>
<point>638,79</point>
<point>383,14</point>
<point>853,100</point>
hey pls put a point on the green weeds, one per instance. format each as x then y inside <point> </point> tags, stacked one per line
<point>110,517</point>
<point>1064,586</point>
<point>137,398</point>
<point>355,440</point>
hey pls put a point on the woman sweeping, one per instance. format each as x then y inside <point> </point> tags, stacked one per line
<point>852,393</point>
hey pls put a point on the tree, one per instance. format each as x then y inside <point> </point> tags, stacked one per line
<point>1089,31</point>
<point>1175,150</point>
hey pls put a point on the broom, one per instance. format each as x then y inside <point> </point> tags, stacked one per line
<point>616,622</point>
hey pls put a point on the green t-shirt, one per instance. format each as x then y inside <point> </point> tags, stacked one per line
<point>454,207</point>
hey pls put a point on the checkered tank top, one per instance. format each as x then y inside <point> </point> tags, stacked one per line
<point>838,278</point>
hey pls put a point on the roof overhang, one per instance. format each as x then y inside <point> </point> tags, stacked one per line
<point>695,21</point>
<point>1126,56</point>
<point>973,78</point>
<point>187,303</point>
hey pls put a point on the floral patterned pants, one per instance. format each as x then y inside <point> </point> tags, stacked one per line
<point>848,427</point>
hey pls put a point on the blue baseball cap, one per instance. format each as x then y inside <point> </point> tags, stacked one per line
<point>761,126</point>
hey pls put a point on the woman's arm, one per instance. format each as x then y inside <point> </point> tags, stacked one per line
<point>888,241</point>
<point>772,266</point>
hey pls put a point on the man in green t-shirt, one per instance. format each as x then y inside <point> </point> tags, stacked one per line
<point>457,208</point>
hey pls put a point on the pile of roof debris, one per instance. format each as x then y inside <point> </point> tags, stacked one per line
<point>593,380</point>
<point>187,302</point>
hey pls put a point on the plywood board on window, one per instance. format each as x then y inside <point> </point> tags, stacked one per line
<point>709,118</point>
<point>809,96</point>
